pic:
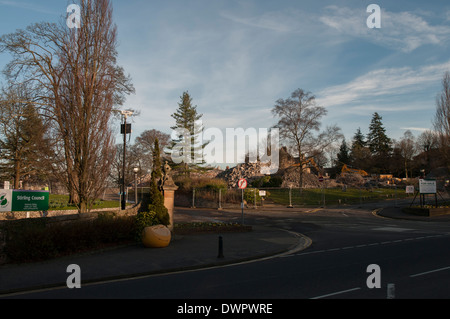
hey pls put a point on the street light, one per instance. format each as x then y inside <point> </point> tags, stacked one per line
<point>126,129</point>
<point>136,170</point>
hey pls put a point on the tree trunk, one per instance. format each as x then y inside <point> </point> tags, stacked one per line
<point>16,174</point>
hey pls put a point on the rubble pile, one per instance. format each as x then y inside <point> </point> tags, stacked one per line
<point>249,171</point>
<point>252,171</point>
<point>291,178</point>
<point>349,179</point>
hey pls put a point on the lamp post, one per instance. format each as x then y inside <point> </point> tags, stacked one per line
<point>136,170</point>
<point>125,130</point>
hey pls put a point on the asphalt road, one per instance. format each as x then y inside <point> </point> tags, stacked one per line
<point>413,259</point>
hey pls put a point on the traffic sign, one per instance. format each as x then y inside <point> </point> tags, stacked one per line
<point>321,179</point>
<point>242,183</point>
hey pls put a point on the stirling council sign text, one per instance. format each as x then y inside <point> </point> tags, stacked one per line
<point>23,201</point>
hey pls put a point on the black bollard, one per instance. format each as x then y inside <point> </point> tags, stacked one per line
<point>220,247</point>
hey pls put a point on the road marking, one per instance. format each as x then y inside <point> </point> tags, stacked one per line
<point>363,245</point>
<point>312,211</point>
<point>429,272</point>
<point>392,229</point>
<point>336,293</point>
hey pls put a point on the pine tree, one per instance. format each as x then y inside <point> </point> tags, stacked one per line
<point>360,156</point>
<point>377,140</point>
<point>343,157</point>
<point>379,145</point>
<point>187,118</point>
<point>358,139</point>
<point>22,137</point>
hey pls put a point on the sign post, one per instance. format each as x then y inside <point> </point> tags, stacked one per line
<point>427,187</point>
<point>242,185</point>
<point>321,181</point>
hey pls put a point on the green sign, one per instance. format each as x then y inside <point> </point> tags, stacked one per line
<point>24,201</point>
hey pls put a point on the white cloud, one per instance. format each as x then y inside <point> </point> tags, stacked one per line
<point>402,31</point>
<point>383,84</point>
<point>27,6</point>
<point>418,129</point>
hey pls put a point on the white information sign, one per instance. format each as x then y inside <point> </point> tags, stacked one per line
<point>5,200</point>
<point>410,189</point>
<point>427,186</point>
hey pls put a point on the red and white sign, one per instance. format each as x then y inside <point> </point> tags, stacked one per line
<point>242,183</point>
<point>321,179</point>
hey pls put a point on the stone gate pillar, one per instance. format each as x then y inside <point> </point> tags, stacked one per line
<point>168,188</point>
<point>169,199</point>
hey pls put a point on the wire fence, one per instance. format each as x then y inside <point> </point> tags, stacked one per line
<point>219,198</point>
<point>290,197</point>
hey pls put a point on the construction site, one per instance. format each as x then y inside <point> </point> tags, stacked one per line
<point>320,186</point>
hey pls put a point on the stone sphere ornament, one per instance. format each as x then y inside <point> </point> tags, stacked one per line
<point>156,236</point>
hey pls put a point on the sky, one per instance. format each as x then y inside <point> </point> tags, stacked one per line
<point>238,57</point>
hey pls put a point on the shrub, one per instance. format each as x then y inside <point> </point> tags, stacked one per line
<point>268,181</point>
<point>37,239</point>
<point>249,196</point>
<point>156,205</point>
<point>186,184</point>
<point>145,219</point>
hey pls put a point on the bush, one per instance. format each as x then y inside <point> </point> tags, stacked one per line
<point>268,181</point>
<point>186,184</point>
<point>145,219</point>
<point>249,196</point>
<point>31,240</point>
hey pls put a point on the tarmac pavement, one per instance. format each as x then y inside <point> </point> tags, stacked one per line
<point>186,252</point>
<point>397,213</point>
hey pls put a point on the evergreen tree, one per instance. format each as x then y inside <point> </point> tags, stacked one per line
<point>156,171</point>
<point>153,212</point>
<point>188,119</point>
<point>156,196</point>
<point>379,145</point>
<point>377,140</point>
<point>360,156</point>
<point>358,139</point>
<point>343,157</point>
<point>22,137</point>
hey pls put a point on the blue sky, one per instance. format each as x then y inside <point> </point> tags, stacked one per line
<point>237,57</point>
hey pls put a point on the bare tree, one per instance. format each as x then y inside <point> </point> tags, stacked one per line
<point>79,82</point>
<point>299,117</point>
<point>407,148</point>
<point>427,141</point>
<point>144,147</point>
<point>442,119</point>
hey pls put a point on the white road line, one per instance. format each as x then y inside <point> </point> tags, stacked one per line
<point>336,293</point>
<point>429,272</point>
<point>363,245</point>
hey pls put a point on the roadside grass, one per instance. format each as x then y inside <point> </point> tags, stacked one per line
<point>61,202</point>
<point>207,227</point>
<point>334,196</point>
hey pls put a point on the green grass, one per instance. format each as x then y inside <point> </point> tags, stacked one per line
<point>60,202</point>
<point>333,196</point>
